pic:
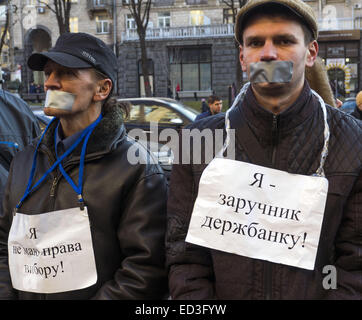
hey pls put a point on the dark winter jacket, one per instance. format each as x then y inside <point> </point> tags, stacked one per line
<point>17,125</point>
<point>357,113</point>
<point>126,207</point>
<point>291,141</point>
<point>203,115</point>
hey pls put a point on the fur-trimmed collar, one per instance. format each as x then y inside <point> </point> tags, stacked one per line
<point>109,130</point>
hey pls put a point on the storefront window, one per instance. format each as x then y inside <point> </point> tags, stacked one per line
<point>341,59</point>
<point>190,68</point>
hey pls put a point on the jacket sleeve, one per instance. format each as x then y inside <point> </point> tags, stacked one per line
<point>348,249</point>
<point>190,266</point>
<point>6,289</point>
<point>141,235</point>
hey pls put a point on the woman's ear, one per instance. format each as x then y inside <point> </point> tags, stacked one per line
<point>104,88</point>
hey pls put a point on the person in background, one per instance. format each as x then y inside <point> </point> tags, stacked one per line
<point>204,106</point>
<point>317,78</point>
<point>357,113</point>
<point>215,106</point>
<point>83,218</point>
<point>18,127</point>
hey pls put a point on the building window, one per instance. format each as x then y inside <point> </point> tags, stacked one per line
<point>163,3</point>
<point>196,2</point>
<point>31,2</point>
<point>99,2</point>
<point>190,68</point>
<point>129,2</point>
<point>342,64</point>
<point>164,20</point>
<point>36,2</point>
<point>196,17</point>
<point>102,24</point>
<point>228,16</point>
<point>73,24</point>
<point>130,22</point>
<point>4,57</point>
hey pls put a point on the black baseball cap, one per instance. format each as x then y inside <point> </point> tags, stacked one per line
<point>80,51</point>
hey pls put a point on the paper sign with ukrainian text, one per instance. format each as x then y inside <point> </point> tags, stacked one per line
<point>259,212</point>
<point>51,252</point>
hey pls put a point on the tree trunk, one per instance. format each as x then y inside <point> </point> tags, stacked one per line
<point>144,63</point>
<point>6,27</point>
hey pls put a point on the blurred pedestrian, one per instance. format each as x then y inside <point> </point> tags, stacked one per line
<point>318,80</point>
<point>81,220</point>
<point>204,106</point>
<point>214,107</point>
<point>18,127</point>
<point>357,113</point>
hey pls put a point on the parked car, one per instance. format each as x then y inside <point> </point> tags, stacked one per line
<point>349,105</point>
<point>167,113</point>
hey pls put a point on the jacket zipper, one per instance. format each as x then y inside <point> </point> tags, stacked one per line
<point>54,185</point>
<point>268,266</point>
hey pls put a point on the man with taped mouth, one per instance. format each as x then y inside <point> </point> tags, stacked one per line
<point>80,221</point>
<point>281,217</point>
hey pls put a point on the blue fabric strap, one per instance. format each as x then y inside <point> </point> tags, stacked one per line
<point>11,144</point>
<point>78,189</point>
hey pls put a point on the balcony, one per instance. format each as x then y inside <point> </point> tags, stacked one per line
<point>226,30</point>
<point>99,6</point>
<point>340,24</point>
<point>205,31</point>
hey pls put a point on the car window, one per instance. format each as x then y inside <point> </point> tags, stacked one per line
<point>154,113</point>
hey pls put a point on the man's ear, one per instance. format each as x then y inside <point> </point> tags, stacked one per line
<point>241,58</point>
<point>104,88</point>
<point>312,53</point>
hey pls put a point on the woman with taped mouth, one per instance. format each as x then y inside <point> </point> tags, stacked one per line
<point>80,220</point>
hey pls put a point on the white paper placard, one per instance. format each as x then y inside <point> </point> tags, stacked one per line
<point>259,212</point>
<point>51,252</point>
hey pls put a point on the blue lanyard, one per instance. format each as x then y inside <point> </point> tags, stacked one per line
<point>78,189</point>
<point>10,144</point>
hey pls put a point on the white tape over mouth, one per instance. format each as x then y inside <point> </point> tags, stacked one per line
<point>271,71</point>
<point>59,100</point>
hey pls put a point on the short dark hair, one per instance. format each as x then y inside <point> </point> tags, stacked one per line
<point>212,99</point>
<point>279,11</point>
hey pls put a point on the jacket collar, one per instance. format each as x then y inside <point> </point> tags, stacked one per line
<point>290,118</point>
<point>104,135</point>
<point>264,124</point>
<point>262,120</point>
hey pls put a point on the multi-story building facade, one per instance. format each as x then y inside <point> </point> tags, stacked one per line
<point>190,43</point>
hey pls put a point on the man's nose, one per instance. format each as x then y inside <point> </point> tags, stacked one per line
<point>269,51</point>
<point>52,82</point>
